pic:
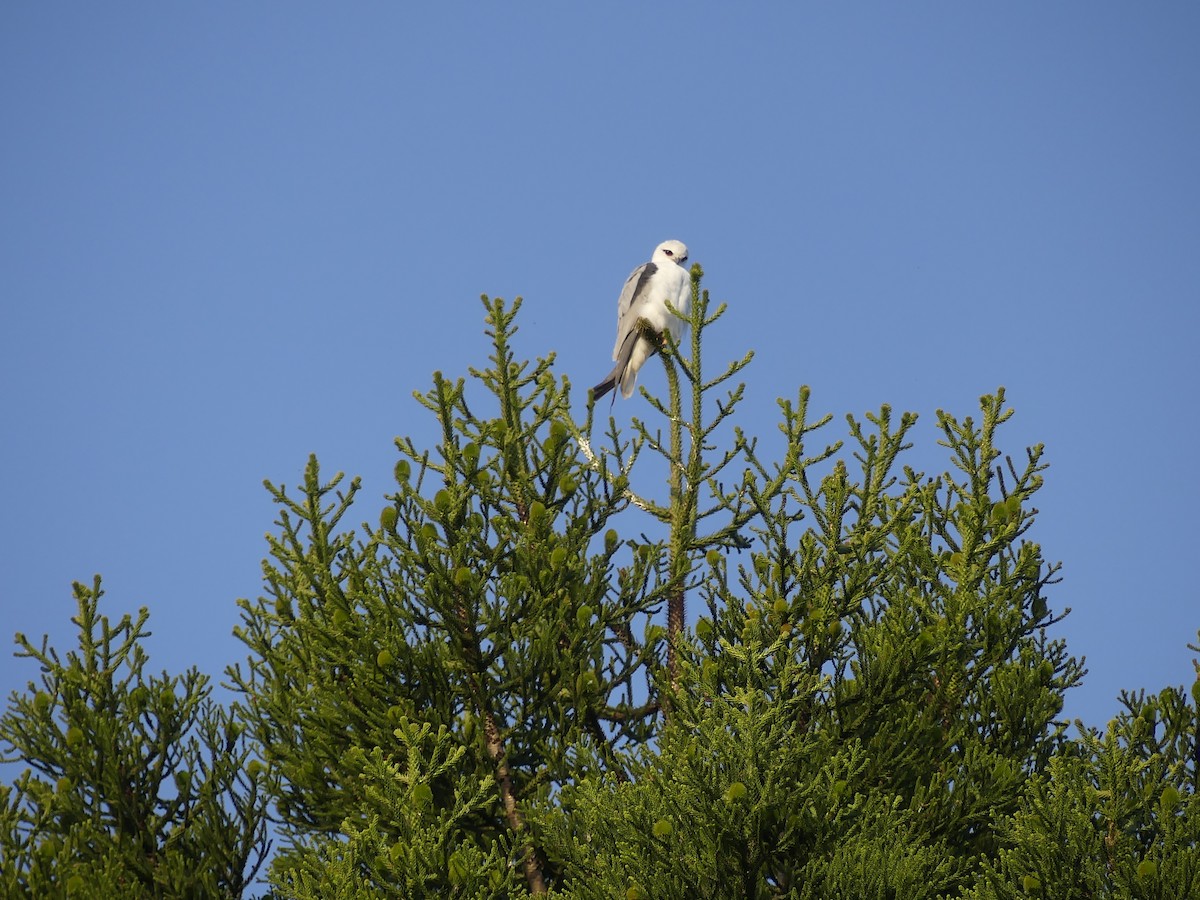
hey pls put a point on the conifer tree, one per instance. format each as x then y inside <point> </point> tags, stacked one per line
<point>492,689</point>
<point>483,606</point>
<point>1116,815</point>
<point>487,604</point>
<point>478,696</point>
<point>866,697</point>
<point>137,786</point>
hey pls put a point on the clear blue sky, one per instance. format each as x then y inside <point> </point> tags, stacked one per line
<point>233,234</point>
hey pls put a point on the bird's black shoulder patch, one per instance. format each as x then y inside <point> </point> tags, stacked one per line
<point>647,273</point>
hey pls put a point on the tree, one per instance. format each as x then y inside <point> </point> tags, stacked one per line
<point>138,785</point>
<point>478,696</point>
<point>494,688</point>
<point>484,606</point>
<point>1118,815</point>
<point>867,697</point>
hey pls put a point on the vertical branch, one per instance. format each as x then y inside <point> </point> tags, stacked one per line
<point>680,531</point>
<point>530,863</point>
<point>494,742</point>
<point>506,386</point>
<point>685,476</point>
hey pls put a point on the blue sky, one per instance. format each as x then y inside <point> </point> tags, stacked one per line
<point>235,234</point>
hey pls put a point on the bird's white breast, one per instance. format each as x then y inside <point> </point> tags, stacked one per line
<point>671,283</point>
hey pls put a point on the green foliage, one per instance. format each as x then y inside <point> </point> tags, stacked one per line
<point>402,845</point>
<point>741,798</point>
<point>925,612</point>
<point>916,613</point>
<point>486,604</point>
<point>1116,816</point>
<point>137,784</point>
<point>867,707</point>
<point>490,691</point>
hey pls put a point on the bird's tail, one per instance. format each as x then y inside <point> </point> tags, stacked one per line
<point>629,360</point>
<point>609,382</point>
<point>634,352</point>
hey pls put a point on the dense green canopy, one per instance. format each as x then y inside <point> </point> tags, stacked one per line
<point>496,688</point>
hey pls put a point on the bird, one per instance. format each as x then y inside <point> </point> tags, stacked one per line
<point>643,317</point>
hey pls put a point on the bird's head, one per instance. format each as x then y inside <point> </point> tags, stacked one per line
<point>670,251</point>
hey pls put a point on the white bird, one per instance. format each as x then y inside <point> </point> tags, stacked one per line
<point>642,308</point>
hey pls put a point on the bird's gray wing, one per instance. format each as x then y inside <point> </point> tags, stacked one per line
<point>635,284</point>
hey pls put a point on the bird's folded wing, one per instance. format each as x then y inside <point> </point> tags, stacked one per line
<point>634,285</point>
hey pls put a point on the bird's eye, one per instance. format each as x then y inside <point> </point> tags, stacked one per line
<point>668,252</point>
